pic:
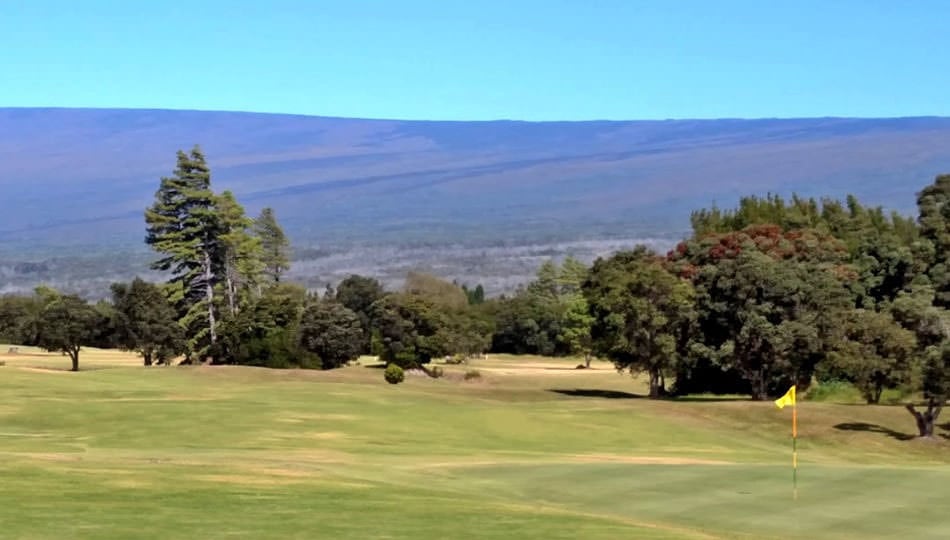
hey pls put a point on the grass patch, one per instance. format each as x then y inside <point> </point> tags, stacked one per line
<point>535,451</point>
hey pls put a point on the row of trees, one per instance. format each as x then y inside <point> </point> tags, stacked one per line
<point>770,293</point>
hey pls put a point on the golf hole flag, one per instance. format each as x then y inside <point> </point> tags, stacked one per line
<point>789,399</point>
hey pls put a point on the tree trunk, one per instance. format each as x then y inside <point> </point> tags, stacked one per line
<point>74,357</point>
<point>926,419</point>
<point>147,358</point>
<point>656,386</point>
<point>758,386</point>
<point>209,296</point>
<point>229,289</point>
<point>587,360</point>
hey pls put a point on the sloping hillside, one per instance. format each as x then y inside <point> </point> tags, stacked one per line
<point>353,194</point>
<point>68,175</point>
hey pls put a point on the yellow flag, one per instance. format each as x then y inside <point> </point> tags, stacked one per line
<point>787,399</point>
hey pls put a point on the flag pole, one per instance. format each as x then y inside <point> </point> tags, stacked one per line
<point>795,450</point>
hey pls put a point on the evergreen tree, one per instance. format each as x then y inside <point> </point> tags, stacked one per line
<point>241,258</point>
<point>183,227</point>
<point>274,244</point>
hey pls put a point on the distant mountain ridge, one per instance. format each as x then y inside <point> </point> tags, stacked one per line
<point>82,177</point>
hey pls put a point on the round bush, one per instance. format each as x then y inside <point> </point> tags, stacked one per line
<point>394,374</point>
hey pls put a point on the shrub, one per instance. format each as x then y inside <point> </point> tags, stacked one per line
<point>455,360</point>
<point>834,391</point>
<point>394,374</point>
<point>473,374</point>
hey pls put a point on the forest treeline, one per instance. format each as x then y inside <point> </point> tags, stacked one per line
<point>771,293</point>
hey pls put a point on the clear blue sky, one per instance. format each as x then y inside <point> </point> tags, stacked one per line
<point>487,59</point>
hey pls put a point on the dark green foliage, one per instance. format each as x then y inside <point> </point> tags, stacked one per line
<point>933,203</point>
<point>525,325</point>
<point>475,296</point>
<point>394,374</point>
<point>18,319</point>
<point>67,324</point>
<point>875,353</point>
<point>642,314</point>
<point>533,320</point>
<point>145,322</point>
<point>274,245</point>
<point>358,294</point>
<point>332,332</point>
<point>767,302</point>
<point>914,309</point>
<point>266,333</point>
<point>431,319</point>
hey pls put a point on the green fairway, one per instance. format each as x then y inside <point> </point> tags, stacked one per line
<point>531,449</point>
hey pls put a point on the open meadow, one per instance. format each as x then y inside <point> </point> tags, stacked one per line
<point>531,448</point>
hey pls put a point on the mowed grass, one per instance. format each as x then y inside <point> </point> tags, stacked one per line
<point>531,449</point>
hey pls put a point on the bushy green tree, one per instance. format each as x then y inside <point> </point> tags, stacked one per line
<point>640,312</point>
<point>18,318</point>
<point>266,332</point>
<point>67,324</point>
<point>332,332</point>
<point>576,328</point>
<point>146,322</point>
<point>767,302</point>
<point>532,320</point>
<point>933,204</point>
<point>358,294</point>
<point>875,352</point>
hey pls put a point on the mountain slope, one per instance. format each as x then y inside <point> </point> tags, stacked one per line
<point>84,175</point>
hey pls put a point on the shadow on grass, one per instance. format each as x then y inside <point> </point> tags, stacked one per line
<point>874,428</point>
<point>587,392</point>
<point>708,399</point>
<point>617,394</point>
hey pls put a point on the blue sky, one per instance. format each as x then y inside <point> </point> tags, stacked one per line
<point>453,59</point>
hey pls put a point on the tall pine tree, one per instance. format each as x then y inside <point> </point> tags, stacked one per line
<point>182,225</point>
<point>241,252</point>
<point>276,247</point>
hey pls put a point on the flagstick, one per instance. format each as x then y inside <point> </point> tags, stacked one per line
<point>795,450</point>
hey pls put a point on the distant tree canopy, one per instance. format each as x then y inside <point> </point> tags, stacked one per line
<point>759,297</point>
